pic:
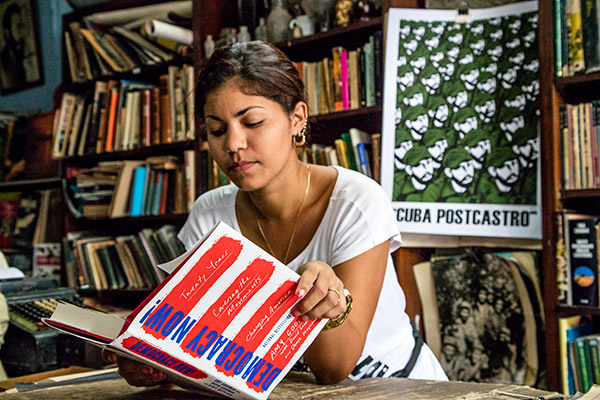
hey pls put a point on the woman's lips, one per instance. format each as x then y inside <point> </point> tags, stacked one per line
<point>241,166</point>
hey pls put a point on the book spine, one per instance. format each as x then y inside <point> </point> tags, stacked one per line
<point>583,261</point>
<point>378,66</point>
<point>594,355</point>
<point>584,365</point>
<point>344,77</point>
<point>137,195</point>
<point>558,32</point>
<point>577,51</point>
<point>363,157</point>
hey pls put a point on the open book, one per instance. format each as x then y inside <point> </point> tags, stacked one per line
<point>220,321</point>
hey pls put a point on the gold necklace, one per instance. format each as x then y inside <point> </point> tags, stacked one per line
<point>262,233</point>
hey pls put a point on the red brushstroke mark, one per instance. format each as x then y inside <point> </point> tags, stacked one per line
<point>281,352</point>
<point>220,314</point>
<point>262,322</point>
<point>149,352</point>
<point>201,277</point>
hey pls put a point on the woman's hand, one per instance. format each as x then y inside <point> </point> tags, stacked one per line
<point>135,373</point>
<point>321,291</point>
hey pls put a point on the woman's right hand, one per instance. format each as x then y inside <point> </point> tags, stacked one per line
<point>135,373</point>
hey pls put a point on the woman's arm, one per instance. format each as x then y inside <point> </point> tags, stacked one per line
<point>335,352</point>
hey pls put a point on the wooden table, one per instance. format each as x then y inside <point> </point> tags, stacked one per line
<point>296,386</point>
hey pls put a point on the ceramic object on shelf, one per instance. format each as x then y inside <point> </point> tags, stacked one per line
<point>260,33</point>
<point>278,22</point>
<point>343,12</point>
<point>319,11</point>
<point>302,25</point>
<point>363,10</point>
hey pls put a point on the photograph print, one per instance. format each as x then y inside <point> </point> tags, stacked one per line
<point>20,55</point>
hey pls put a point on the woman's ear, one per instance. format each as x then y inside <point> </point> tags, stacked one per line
<point>299,117</point>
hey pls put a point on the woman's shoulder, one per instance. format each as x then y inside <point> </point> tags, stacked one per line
<point>223,196</point>
<point>355,185</point>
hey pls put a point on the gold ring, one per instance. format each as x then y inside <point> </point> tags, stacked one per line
<point>336,292</point>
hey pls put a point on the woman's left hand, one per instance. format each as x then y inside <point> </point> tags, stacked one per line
<point>321,291</point>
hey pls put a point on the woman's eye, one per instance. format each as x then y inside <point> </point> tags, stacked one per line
<point>217,132</point>
<point>253,124</point>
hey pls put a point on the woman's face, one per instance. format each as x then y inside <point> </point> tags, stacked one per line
<point>250,137</point>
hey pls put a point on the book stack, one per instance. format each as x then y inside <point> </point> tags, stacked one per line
<point>579,354</point>
<point>580,134</point>
<point>348,80</point>
<point>94,50</point>
<point>119,262</point>
<point>356,150</point>
<point>125,115</point>
<point>577,27</point>
<point>130,188</point>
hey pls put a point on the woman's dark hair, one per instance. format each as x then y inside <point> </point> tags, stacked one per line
<point>260,69</point>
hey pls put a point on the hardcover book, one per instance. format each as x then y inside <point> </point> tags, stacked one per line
<point>220,321</point>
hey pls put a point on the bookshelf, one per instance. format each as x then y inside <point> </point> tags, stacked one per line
<point>208,18</point>
<point>554,92</point>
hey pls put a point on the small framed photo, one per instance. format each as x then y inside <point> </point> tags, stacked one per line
<point>20,55</point>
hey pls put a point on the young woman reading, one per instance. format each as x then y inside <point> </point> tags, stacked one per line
<point>335,227</point>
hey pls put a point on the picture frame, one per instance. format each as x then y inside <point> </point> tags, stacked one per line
<point>20,55</point>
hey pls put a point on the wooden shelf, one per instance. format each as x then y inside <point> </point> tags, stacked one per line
<point>29,184</point>
<point>326,128</point>
<point>319,45</point>
<point>135,154</point>
<point>574,194</point>
<point>579,88</point>
<point>144,72</point>
<point>566,311</point>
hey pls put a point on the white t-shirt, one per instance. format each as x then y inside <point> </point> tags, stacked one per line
<point>359,217</point>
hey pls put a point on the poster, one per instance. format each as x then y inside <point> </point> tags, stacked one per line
<point>460,142</point>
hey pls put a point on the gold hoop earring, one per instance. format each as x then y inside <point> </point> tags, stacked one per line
<point>300,138</point>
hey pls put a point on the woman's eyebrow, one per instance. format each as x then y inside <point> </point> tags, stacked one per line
<point>237,114</point>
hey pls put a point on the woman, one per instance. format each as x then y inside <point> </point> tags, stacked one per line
<point>335,227</point>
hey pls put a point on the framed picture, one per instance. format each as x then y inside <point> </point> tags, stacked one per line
<point>20,55</point>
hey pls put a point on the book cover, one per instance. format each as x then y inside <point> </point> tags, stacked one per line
<point>590,21</point>
<point>583,261</point>
<point>221,320</point>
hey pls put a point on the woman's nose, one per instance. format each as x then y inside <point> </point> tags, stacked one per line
<point>235,139</point>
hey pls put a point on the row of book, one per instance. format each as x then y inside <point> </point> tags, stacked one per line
<point>350,79</point>
<point>119,262</point>
<point>578,241</point>
<point>93,51</point>
<point>580,130</point>
<point>158,185</point>
<point>577,27</point>
<point>579,354</point>
<point>356,150</point>
<point>124,115</point>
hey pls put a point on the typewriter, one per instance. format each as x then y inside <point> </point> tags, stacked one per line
<point>29,345</point>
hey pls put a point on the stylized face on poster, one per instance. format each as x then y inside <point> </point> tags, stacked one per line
<point>460,150</point>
